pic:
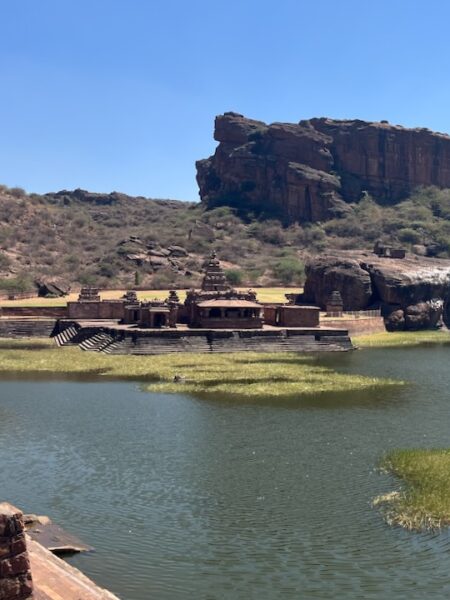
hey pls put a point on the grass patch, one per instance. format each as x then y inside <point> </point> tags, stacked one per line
<point>387,339</point>
<point>237,374</point>
<point>424,503</point>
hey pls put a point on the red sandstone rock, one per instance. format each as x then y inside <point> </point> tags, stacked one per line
<point>15,565</point>
<point>16,588</point>
<point>327,274</point>
<point>303,172</point>
<point>414,293</point>
<point>15,577</point>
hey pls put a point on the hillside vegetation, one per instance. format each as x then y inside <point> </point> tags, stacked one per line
<point>114,240</point>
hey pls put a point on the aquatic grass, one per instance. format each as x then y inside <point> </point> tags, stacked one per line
<point>424,502</point>
<point>401,338</point>
<point>234,374</point>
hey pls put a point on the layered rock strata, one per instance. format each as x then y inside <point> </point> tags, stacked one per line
<point>414,293</point>
<point>308,171</point>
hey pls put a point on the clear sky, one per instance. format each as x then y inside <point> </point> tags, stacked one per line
<point>121,94</point>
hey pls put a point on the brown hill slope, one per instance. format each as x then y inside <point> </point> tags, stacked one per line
<point>112,239</point>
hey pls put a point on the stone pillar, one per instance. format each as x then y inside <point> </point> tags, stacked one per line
<point>15,574</point>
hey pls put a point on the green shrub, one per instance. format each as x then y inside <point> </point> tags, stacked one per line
<point>409,236</point>
<point>289,270</point>
<point>234,276</point>
<point>18,284</point>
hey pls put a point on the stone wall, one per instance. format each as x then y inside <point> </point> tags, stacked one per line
<point>105,309</point>
<point>58,312</point>
<point>27,327</point>
<point>361,326</point>
<point>291,316</point>
<point>299,316</point>
<point>15,574</point>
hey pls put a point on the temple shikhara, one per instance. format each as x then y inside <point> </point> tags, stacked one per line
<point>214,318</point>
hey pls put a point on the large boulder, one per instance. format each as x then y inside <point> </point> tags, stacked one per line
<point>54,287</point>
<point>326,274</point>
<point>424,315</point>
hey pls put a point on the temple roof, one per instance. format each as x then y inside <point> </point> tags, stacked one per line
<point>214,279</point>
<point>218,302</point>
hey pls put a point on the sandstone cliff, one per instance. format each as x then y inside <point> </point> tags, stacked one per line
<point>309,171</point>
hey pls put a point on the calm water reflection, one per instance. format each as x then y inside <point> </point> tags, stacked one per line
<point>186,498</point>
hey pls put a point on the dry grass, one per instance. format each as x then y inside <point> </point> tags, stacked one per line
<point>249,374</point>
<point>268,294</point>
<point>424,503</point>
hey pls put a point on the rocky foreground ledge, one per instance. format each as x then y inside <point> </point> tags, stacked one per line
<point>413,292</point>
<point>30,571</point>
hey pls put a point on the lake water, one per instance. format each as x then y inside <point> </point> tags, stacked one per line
<point>212,499</point>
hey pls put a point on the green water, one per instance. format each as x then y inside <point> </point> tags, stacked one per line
<point>186,498</point>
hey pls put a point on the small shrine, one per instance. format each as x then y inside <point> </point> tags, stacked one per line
<point>89,294</point>
<point>335,304</point>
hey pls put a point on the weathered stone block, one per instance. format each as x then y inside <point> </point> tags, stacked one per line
<point>18,544</point>
<point>15,565</point>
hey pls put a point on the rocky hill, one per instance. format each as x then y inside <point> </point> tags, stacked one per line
<point>79,237</point>
<point>310,171</point>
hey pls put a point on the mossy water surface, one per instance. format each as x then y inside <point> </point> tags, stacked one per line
<point>235,374</point>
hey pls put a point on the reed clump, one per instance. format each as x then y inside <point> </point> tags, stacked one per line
<point>424,501</point>
<point>235,374</point>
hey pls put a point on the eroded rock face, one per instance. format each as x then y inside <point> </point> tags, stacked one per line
<point>325,275</point>
<point>308,171</point>
<point>413,293</point>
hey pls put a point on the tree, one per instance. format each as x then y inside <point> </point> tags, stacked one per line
<point>234,276</point>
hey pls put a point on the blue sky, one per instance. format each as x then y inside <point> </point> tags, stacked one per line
<point>121,95</point>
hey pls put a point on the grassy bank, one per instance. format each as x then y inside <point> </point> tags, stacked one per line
<point>241,374</point>
<point>424,503</point>
<point>401,338</point>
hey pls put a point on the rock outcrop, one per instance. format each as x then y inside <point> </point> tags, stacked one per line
<point>309,171</point>
<point>413,293</point>
<point>326,274</point>
<point>52,288</point>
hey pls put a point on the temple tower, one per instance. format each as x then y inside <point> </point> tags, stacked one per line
<point>214,279</point>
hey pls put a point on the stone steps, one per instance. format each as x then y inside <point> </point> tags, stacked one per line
<point>97,342</point>
<point>66,336</point>
<point>163,345</point>
<point>25,328</point>
<point>235,343</point>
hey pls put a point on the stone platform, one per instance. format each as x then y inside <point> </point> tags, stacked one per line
<point>28,571</point>
<point>114,338</point>
<point>54,579</point>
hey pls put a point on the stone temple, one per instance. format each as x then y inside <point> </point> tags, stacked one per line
<point>214,318</point>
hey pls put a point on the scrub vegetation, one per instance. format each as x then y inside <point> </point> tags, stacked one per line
<point>424,501</point>
<point>248,374</point>
<point>91,239</point>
